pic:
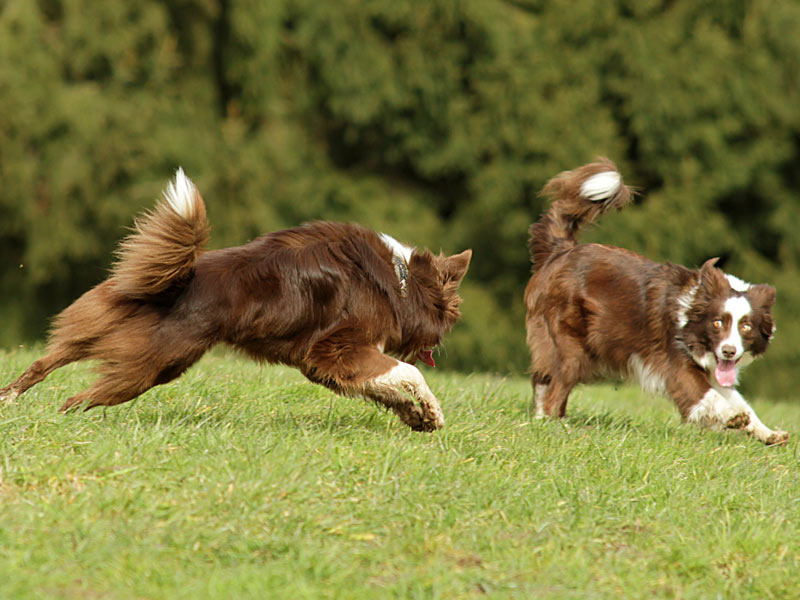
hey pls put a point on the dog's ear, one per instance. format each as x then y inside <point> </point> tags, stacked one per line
<point>709,263</point>
<point>761,296</point>
<point>453,268</point>
<point>712,280</point>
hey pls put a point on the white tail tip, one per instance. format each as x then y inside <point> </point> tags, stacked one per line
<point>180,194</point>
<point>601,186</point>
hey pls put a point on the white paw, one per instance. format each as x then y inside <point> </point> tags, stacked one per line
<point>776,438</point>
<point>9,396</point>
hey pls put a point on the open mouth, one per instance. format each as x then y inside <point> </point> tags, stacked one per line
<point>425,356</point>
<point>725,372</point>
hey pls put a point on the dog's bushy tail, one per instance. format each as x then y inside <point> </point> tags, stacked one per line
<point>165,243</point>
<point>579,197</point>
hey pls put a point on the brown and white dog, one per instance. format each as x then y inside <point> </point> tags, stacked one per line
<point>595,310</point>
<point>351,309</point>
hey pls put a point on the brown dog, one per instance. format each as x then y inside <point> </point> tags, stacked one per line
<point>344,305</point>
<point>595,310</point>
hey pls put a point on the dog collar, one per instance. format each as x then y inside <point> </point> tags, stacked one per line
<point>401,270</point>
<point>401,254</point>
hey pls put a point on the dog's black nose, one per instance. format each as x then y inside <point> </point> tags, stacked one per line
<point>728,352</point>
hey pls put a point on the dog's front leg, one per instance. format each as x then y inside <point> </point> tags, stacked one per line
<point>726,408</point>
<point>392,389</point>
<point>364,370</point>
<point>718,407</point>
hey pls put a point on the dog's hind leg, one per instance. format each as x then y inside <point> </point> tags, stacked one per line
<point>109,390</point>
<point>555,399</point>
<point>58,357</point>
<point>567,366</point>
<point>543,351</point>
<point>124,381</point>
<point>76,331</point>
<point>539,383</point>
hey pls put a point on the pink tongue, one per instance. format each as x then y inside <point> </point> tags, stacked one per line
<point>426,356</point>
<point>726,373</point>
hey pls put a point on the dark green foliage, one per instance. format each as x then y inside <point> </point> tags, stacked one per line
<point>436,121</point>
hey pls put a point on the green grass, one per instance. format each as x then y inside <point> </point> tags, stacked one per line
<point>239,481</point>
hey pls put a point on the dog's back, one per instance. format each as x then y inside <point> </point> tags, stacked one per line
<point>598,310</point>
<point>273,297</point>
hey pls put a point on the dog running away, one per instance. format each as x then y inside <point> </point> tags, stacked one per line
<point>594,310</point>
<point>351,309</point>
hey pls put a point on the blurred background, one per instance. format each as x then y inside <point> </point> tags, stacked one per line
<point>436,121</point>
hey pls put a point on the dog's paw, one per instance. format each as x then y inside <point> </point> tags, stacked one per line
<point>433,424</point>
<point>739,421</point>
<point>433,418</point>
<point>419,422</point>
<point>427,425</point>
<point>7,395</point>
<point>411,415</point>
<point>776,438</point>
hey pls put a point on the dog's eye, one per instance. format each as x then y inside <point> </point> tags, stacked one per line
<point>745,327</point>
<point>717,323</point>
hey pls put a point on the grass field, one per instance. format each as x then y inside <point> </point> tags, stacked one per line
<point>239,481</point>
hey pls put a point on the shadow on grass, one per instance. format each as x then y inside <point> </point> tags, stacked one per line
<point>287,415</point>
<point>610,421</point>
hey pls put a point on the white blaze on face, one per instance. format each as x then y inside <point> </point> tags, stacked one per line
<point>737,308</point>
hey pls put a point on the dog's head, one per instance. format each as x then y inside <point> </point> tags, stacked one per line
<point>432,303</point>
<point>725,323</point>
